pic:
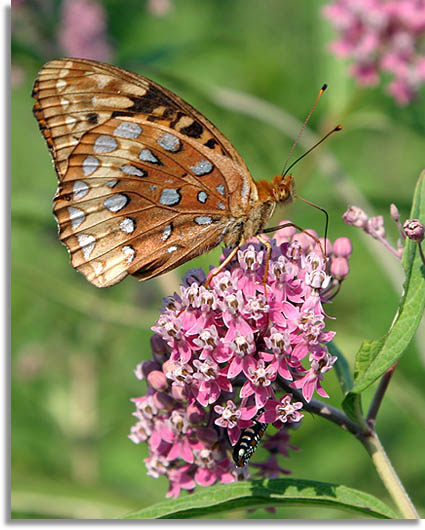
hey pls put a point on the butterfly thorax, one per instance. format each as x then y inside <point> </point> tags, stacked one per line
<point>264,198</point>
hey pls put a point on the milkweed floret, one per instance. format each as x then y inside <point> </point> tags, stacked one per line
<point>225,356</point>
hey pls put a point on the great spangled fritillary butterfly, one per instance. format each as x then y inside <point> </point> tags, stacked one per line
<point>146,182</point>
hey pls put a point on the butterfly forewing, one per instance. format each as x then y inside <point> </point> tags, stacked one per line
<point>145,182</point>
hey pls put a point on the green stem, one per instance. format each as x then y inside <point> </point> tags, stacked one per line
<point>369,439</point>
<point>421,252</point>
<point>388,475</point>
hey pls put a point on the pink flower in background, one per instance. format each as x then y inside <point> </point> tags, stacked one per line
<point>382,36</point>
<point>227,356</point>
<point>83,30</point>
<point>17,75</point>
<point>17,3</point>
<point>159,8</point>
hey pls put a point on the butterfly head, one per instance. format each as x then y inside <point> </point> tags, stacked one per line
<point>282,188</point>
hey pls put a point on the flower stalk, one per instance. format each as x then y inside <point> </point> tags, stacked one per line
<point>379,395</point>
<point>388,475</point>
<point>368,437</point>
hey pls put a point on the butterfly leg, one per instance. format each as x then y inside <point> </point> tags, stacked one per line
<point>268,246</point>
<point>221,266</point>
<point>314,238</point>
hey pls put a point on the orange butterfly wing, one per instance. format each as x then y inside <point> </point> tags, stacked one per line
<point>146,183</point>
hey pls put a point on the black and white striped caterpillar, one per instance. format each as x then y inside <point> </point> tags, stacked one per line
<point>248,443</point>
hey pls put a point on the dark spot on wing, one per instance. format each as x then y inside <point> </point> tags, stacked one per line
<point>145,104</point>
<point>92,118</point>
<point>194,130</point>
<point>211,143</point>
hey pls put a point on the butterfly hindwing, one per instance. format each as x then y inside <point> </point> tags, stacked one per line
<point>125,203</point>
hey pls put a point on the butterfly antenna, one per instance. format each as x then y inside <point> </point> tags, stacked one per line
<point>324,87</point>
<point>336,129</point>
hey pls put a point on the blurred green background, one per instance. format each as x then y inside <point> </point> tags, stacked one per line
<point>74,347</point>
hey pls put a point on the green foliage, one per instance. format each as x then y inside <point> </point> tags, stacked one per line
<point>376,356</point>
<point>264,494</point>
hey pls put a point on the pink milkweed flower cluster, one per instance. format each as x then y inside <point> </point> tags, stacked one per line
<point>227,355</point>
<point>382,36</point>
<point>83,30</point>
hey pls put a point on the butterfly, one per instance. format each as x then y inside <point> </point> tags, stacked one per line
<point>146,182</point>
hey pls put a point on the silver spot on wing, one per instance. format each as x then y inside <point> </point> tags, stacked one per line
<point>170,197</point>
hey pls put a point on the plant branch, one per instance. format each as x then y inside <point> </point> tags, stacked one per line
<point>379,395</point>
<point>326,411</point>
<point>370,441</point>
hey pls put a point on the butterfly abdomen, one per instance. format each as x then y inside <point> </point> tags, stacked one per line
<point>248,443</point>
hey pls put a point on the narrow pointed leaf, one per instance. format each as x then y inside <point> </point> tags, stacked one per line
<point>265,493</point>
<point>342,368</point>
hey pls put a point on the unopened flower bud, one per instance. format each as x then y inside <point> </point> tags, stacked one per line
<point>157,380</point>
<point>195,413</point>
<point>414,230</point>
<point>342,247</point>
<point>163,401</point>
<point>326,246</point>
<point>145,368</point>
<point>284,235</point>
<point>355,216</point>
<point>305,241</point>
<point>158,345</point>
<point>375,227</point>
<point>340,268</point>
<point>395,214</point>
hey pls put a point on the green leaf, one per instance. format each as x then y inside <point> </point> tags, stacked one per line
<point>265,493</point>
<point>352,406</point>
<point>376,356</point>
<point>342,369</point>
<point>352,403</point>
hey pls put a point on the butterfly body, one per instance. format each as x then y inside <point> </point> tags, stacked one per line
<point>146,182</point>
